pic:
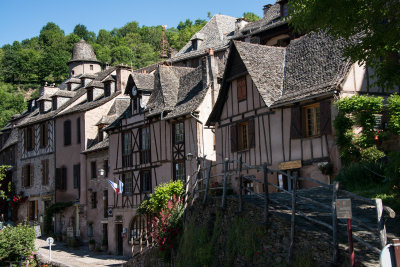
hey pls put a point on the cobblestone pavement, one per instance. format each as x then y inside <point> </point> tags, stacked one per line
<point>63,256</point>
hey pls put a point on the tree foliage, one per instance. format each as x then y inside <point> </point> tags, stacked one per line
<point>17,243</point>
<point>250,16</point>
<point>374,24</point>
<point>11,102</point>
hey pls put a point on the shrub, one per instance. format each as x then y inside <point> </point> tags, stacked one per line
<point>360,174</point>
<point>159,199</point>
<point>371,154</point>
<point>392,173</point>
<point>17,243</point>
<point>394,113</point>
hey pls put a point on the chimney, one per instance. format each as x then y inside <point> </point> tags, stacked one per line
<point>210,74</point>
<point>266,8</point>
<point>122,77</point>
<point>239,24</point>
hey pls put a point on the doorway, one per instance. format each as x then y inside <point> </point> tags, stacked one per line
<point>119,240</point>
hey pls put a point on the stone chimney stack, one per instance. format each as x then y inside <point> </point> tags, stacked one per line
<point>266,8</point>
<point>239,24</point>
<point>123,72</point>
<point>210,74</point>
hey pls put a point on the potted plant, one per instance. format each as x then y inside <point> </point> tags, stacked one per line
<point>92,244</point>
<point>104,244</point>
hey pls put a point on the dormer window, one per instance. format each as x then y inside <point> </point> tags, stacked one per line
<point>100,133</point>
<point>41,107</point>
<point>194,44</point>
<point>107,89</point>
<point>83,83</point>
<point>90,95</point>
<point>54,103</point>
<point>69,87</point>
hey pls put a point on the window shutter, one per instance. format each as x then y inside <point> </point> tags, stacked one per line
<point>28,210</point>
<point>26,139</point>
<point>233,138</point>
<point>64,178</point>
<point>46,134</point>
<point>252,137</point>
<point>36,210</point>
<point>58,178</point>
<point>33,137</point>
<point>296,123</point>
<point>325,117</point>
<point>23,176</point>
<point>31,173</point>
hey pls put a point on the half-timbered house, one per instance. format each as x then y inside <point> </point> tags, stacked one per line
<point>275,105</point>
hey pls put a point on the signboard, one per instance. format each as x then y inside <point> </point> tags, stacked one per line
<point>37,231</point>
<point>343,208</point>
<point>70,231</point>
<point>288,165</point>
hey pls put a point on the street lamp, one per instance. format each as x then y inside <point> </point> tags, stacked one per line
<point>189,156</point>
<point>101,172</point>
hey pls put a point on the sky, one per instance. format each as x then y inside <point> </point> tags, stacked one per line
<point>23,19</point>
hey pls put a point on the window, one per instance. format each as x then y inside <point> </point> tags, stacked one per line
<point>72,72</point>
<point>100,133</point>
<point>91,67</point>
<point>44,132</point>
<point>33,210</point>
<point>29,138</point>
<point>179,172</point>
<point>127,149</point>
<point>135,105</point>
<point>61,178</point>
<point>128,183</point>
<point>194,44</point>
<point>89,95</point>
<point>242,135</point>
<point>145,145</point>
<point>105,167</point>
<point>69,87</point>
<point>241,88</point>
<point>54,100</point>
<point>311,120</point>
<point>67,133</point>
<point>105,205</point>
<point>90,230</point>
<point>93,170</point>
<point>77,175</point>
<point>107,89</point>
<point>145,181</point>
<point>179,132</point>
<point>83,82</point>
<point>45,172</point>
<point>27,175</point>
<point>78,130</point>
<point>93,200</point>
<point>41,107</point>
<point>105,231</point>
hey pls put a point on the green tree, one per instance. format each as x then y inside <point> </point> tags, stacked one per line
<point>250,16</point>
<point>3,169</point>
<point>81,31</point>
<point>121,55</point>
<point>12,102</point>
<point>375,24</point>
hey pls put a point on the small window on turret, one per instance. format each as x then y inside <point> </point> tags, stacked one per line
<point>72,72</point>
<point>91,67</point>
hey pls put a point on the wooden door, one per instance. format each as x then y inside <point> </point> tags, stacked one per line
<point>119,239</point>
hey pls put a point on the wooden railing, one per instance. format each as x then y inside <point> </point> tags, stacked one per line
<point>227,173</point>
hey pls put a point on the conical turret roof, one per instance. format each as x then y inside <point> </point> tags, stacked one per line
<point>83,52</point>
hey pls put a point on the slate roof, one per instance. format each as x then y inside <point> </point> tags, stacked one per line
<point>96,84</point>
<point>12,139</point>
<point>309,66</point>
<point>271,19</point>
<point>169,81</point>
<point>98,146</point>
<point>45,97</point>
<point>73,80</point>
<point>216,34</point>
<point>143,81</point>
<point>265,66</point>
<point>64,93</point>
<point>83,52</point>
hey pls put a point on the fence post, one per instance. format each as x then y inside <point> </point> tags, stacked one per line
<point>240,185</point>
<point>225,182</point>
<point>381,224</point>
<point>207,183</point>
<point>292,222</point>
<point>335,189</point>
<point>266,193</point>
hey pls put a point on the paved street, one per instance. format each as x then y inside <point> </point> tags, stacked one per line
<point>64,256</point>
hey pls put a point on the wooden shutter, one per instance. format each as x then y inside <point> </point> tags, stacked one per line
<point>241,88</point>
<point>46,134</point>
<point>296,123</point>
<point>31,173</point>
<point>33,137</point>
<point>58,178</point>
<point>234,138</point>
<point>64,178</point>
<point>23,173</point>
<point>252,137</point>
<point>28,210</point>
<point>36,210</point>
<point>325,117</point>
<point>26,139</point>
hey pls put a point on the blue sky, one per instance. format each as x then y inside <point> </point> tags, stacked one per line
<point>22,19</point>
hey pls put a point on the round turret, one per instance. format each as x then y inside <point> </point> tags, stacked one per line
<point>83,59</point>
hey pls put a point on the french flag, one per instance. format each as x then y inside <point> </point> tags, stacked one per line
<point>118,188</point>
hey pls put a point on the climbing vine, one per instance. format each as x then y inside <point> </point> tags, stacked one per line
<point>51,211</point>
